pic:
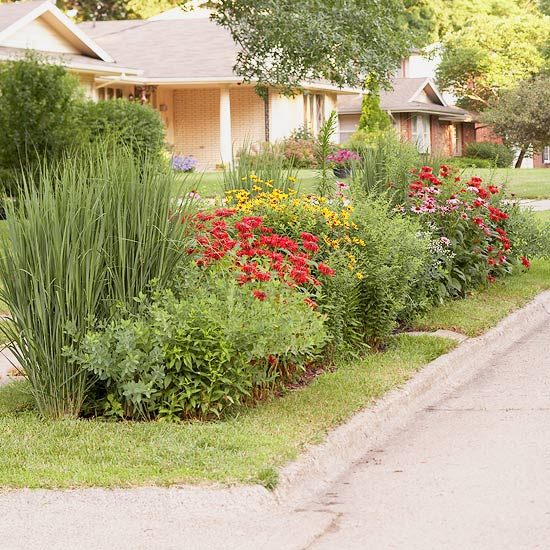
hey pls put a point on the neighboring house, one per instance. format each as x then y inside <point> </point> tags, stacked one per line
<point>419,113</point>
<point>182,66</point>
<point>542,159</point>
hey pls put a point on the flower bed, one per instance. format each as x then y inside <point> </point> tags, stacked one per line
<point>242,299</point>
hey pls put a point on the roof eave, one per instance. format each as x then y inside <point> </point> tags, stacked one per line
<point>48,7</point>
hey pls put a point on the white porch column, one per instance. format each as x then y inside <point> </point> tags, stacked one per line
<point>226,142</point>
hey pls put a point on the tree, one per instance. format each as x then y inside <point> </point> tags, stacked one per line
<point>492,54</point>
<point>520,118</point>
<point>373,119</point>
<point>96,10</point>
<point>284,42</point>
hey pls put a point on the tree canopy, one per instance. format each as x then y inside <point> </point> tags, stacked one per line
<point>520,117</point>
<point>492,54</point>
<point>284,42</point>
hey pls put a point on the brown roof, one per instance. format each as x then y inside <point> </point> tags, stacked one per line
<point>10,13</point>
<point>69,60</point>
<point>399,99</point>
<point>182,48</point>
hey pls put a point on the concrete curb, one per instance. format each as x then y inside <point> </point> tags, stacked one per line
<point>320,465</point>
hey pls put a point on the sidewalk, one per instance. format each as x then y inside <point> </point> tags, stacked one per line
<point>469,468</point>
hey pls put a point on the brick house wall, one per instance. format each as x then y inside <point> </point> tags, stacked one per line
<point>247,116</point>
<point>197,124</point>
<point>485,133</point>
<point>441,142</point>
<point>405,125</point>
<point>468,135</point>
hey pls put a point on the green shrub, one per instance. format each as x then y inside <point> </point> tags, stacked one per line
<point>395,256</point>
<point>200,355</point>
<point>132,124</point>
<point>38,106</point>
<point>93,234</point>
<point>530,235</point>
<point>471,162</point>
<point>500,155</point>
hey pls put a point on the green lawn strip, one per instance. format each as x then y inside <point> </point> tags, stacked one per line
<point>485,308</point>
<point>247,448</point>
<point>528,183</point>
<point>522,184</point>
<point>210,184</point>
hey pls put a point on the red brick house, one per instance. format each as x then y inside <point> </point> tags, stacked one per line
<point>420,113</point>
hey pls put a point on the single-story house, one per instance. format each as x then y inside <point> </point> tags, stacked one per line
<point>419,113</point>
<point>181,66</point>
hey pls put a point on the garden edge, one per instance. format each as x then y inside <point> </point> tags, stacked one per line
<point>320,465</point>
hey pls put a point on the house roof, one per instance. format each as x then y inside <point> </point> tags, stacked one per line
<point>14,17</point>
<point>82,63</point>
<point>11,13</point>
<point>404,98</point>
<point>168,49</point>
<point>189,50</point>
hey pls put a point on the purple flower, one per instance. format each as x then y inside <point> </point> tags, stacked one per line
<point>183,164</point>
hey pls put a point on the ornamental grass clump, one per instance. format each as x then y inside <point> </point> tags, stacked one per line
<point>86,235</point>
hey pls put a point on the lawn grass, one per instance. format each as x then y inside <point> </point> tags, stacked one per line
<point>485,308</point>
<point>210,184</point>
<point>246,448</point>
<point>528,183</point>
<point>522,184</point>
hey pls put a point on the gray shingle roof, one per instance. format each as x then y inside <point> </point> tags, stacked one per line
<point>69,60</point>
<point>183,48</point>
<point>10,13</point>
<point>399,99</point>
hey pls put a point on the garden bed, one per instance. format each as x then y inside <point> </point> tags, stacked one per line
<point>245,448</point>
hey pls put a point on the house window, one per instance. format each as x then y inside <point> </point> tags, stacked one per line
<point>109,93</point>
<point>456,139</point>
<point>546,155</point>
<point>421,132</point>
<point>320,107</point>
<point>314,111</point>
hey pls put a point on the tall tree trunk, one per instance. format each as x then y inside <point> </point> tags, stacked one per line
<point>521,156</point>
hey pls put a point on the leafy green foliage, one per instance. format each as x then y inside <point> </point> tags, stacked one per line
<point>136,126</point>
<point>384,166</point>
<point>492,54</point>
<point>500,155</point>
<point>518,117</point>
<point>530,235</point>
<point>395,255</point>
<point>285,43</point>
<point>373,119</point>
<point>91,235</point>
<point>38,107</point>
<point>203,354</point>
<point>97,10</point>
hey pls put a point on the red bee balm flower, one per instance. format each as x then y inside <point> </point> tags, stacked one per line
<point>526,263</point>
<point>259,294</point>
<point>326,270</point>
